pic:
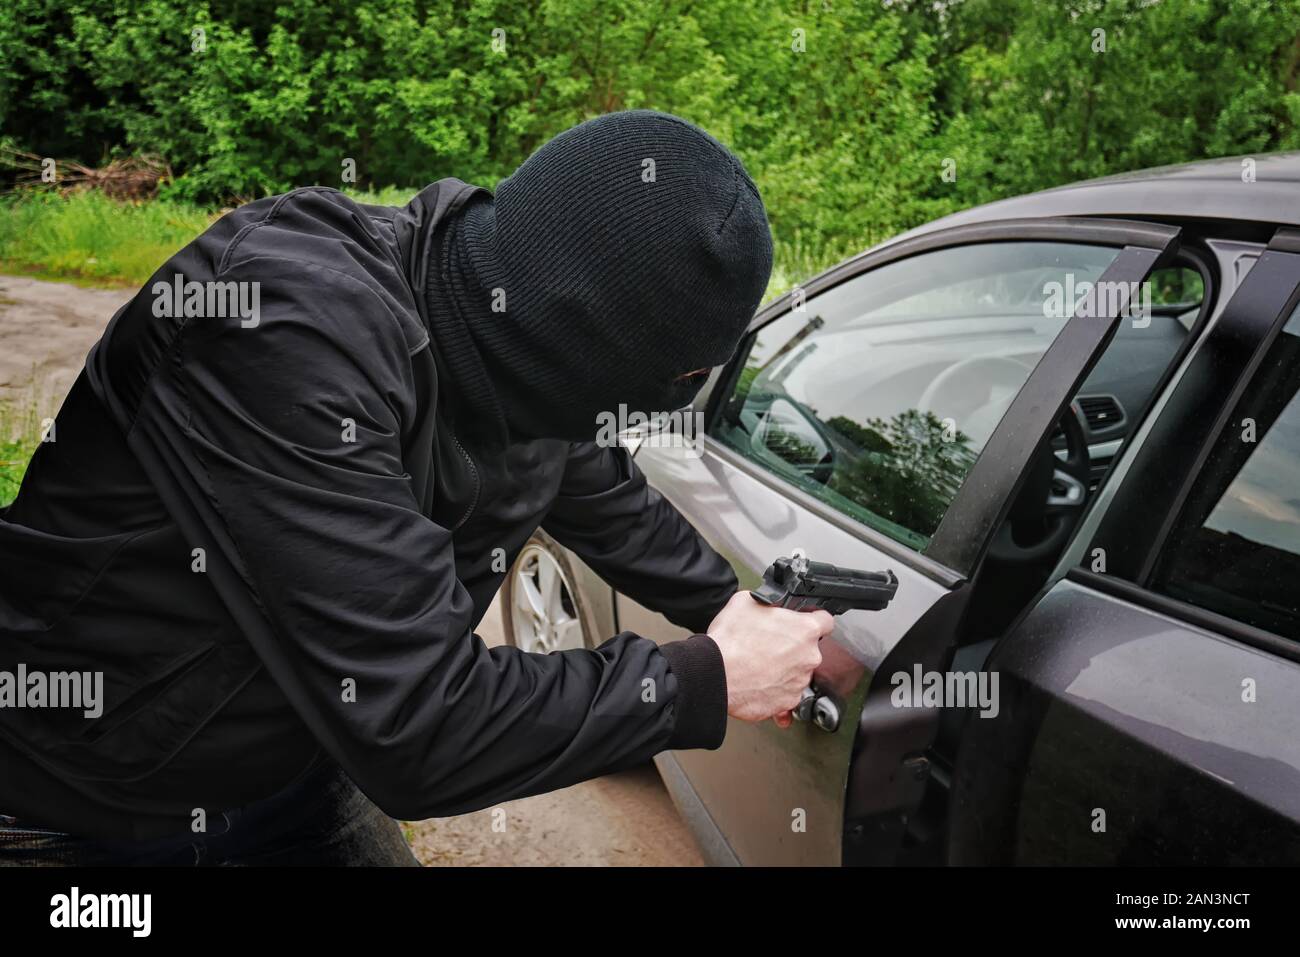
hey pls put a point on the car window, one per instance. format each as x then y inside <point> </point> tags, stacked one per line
<point>1123,382</point>
<point>877,395</point>
<point>1236,547</point>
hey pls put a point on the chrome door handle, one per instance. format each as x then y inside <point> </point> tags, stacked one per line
<point>820,709</point>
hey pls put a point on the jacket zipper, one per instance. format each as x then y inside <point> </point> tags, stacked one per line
<point>474,470</point>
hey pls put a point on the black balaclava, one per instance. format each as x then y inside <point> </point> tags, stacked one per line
<point>624,253</point>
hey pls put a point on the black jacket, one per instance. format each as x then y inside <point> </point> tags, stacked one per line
<point>264,533</point>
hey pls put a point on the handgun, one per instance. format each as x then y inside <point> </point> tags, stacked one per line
<point>802,585</point>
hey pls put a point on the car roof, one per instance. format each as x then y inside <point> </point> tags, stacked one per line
<point>1205,190</point>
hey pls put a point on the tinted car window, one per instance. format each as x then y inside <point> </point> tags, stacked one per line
<point>877,396</point>
<point>1236,548</point>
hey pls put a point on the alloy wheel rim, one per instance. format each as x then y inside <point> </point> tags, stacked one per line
<point>544,615</point>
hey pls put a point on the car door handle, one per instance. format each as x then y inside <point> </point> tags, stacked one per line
<point>802,585</point>
<point>820,709</point>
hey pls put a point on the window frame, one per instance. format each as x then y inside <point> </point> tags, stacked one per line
<point>958,546</point>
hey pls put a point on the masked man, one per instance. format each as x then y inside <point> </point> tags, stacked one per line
<point>278,498</point>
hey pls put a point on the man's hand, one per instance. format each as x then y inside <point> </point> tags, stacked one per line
<point>769,654</point>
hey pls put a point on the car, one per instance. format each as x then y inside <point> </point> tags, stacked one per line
<point>1068,423</point>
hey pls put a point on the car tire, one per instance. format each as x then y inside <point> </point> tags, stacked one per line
<point>542,609</point>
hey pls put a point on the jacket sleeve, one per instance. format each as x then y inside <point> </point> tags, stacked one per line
<point>635,539</point>
<point>289,435</point>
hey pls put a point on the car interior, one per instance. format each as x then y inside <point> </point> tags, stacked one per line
<point>1102,414</point>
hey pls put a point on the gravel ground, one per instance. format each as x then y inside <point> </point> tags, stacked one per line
<point>623,819</point>
<point>46,329</point>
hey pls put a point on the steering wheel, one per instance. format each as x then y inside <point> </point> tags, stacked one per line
<point>1050,503</point>
<point>955,386</point>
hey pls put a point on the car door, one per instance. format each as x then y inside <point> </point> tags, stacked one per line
<point>1151,696</point>
<point>881,418</point>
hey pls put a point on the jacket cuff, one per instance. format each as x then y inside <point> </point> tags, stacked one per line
<point>700,708</point>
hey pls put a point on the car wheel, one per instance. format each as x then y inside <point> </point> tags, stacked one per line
<point>540,605</point>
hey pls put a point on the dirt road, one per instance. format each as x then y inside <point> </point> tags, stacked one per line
<point>623,819</point>
<point>46,328</point>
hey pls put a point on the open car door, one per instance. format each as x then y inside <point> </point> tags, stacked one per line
<point>886,417</point>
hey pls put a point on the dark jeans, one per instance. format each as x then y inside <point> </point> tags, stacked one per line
<point>323,820</point>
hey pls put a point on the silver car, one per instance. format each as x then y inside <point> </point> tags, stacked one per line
<point>1068,423</point>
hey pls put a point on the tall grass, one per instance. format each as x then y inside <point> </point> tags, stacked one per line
<point>88,238</point>
<point>19,435</point>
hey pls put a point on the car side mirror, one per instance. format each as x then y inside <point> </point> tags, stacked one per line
<point>794,435</point>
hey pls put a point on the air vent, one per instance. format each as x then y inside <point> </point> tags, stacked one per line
<point>1101,411</point>
<point>1095,476</point>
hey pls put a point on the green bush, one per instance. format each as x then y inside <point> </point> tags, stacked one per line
<point>858,118</point>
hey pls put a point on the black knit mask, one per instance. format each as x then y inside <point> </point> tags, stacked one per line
<point>624,254</point>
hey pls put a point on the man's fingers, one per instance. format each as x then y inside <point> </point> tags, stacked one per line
<point>811,625</point>
<point>825,622</point>
<point>783,719</point>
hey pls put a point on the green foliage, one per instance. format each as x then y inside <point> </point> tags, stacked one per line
<point>19,436</point>
<point>88,236</point>
<point>1035,102</point>
<point>13,463</point>
<point>847,112</point>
